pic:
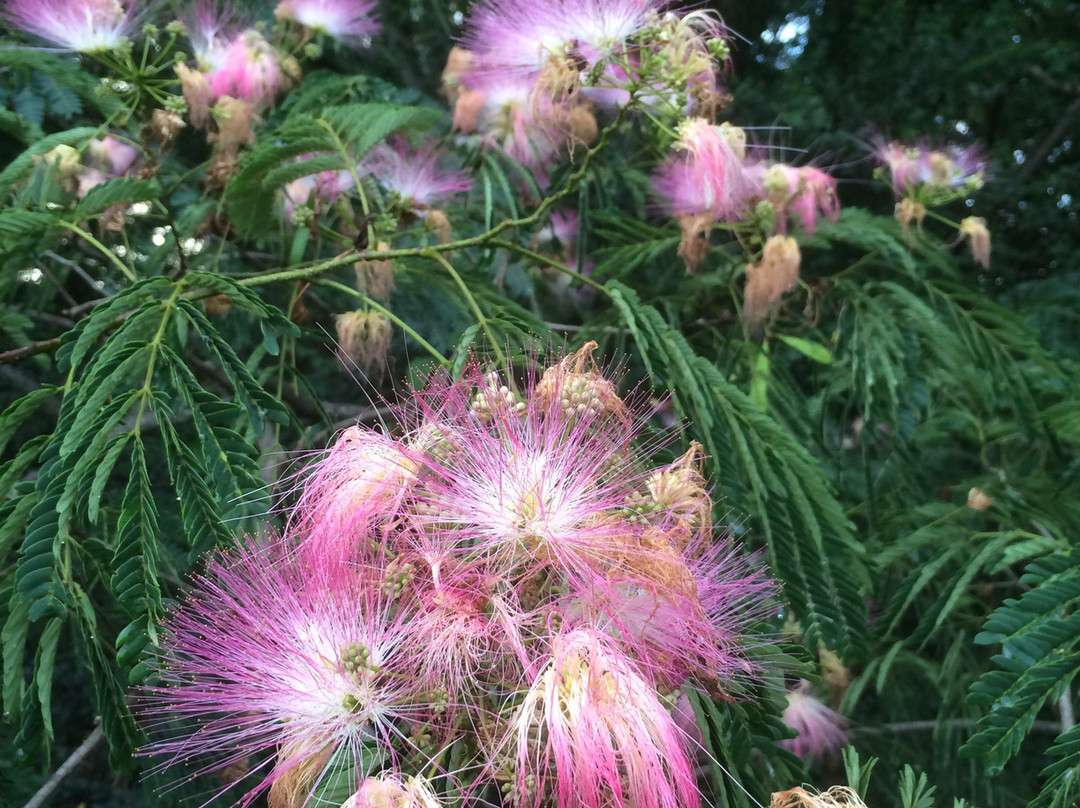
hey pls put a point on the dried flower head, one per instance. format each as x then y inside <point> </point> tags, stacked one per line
<point>390,790</point>
<point>976,231</point>
<point>769,278</point>
<point>364,336</point>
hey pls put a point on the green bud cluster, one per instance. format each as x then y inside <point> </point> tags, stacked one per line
<point>175,103</point>
<point>581,395</point>
<point>302,216</point>
<point>355,658</point>
<point>396,578</point>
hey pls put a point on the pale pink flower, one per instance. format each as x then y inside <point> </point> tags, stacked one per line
<point>273,656</point>
<point>343,19</point>
<point>805,192</point>
<point>86,26</point>
<point>820,730</point>
<point>591,733</point>
<point>391,790</point>
<point>414,174</point>
<point>705,175</point>
<point>211,27</point>
<point>947,170</point>
<point>249,71</point>
<point>352,495</point>
<point>524,35</point>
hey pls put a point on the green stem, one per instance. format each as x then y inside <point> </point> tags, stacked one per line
<point>404,326</point>
<point>147,389</point>
<point>551,262</point>
<point>128,272</point>
<point>500,358</point>
<point>364,206</point>
<point>942,219</point>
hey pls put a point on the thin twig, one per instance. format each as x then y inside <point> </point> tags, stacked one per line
<point>951,723</point>
<point>76,757</point>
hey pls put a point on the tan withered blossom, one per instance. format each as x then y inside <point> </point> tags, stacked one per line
<point>774,274</point>
<point>438,223</point>
<point>364,336</point>
<point>694,247</point>
<point>375,278</point>
<point>458,62</point>
<point>835,797</point>
<point>166,126</point>
<point>908,211</point>
<point>197,94</point>
<point>974,227</point>
<point>978,500</point>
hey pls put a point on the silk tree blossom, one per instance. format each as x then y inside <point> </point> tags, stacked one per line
<point>271,654</point>
<point>527,35</point>
<point>211,27</point>
<point>820,730</point>
<point>414,175</point>
<point>932,176</point>
<point>704,181</point>
<point>506,111</point>
<point>805,192</point>
<point>352,495</point>
<point>341,19</point>
<point>591,732</point>
<point>86,26</point>
<point>250,71</point>
<point>318,190</point>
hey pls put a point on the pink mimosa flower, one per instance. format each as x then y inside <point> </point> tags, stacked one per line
<point>523,35</point>
<point>820,730</point>
<point>249,71</point>
<point>390,790</point>
<point>706,175</point>
<point>949,169</point>
<point>343,19</point>
<point>273,655</point>
<point>352,492</point>
<point>806,192</point>
<point>211,27</point>
<point>414,173</point>
<point>86,26</point>
<point>591,733</point>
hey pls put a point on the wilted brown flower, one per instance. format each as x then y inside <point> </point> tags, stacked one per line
<point>166,126</point>
<point>197,94</point>
<point>459,61</point>
<point>974,227</point>
<point>438,223</point>
<point>694,247</point>
<point>767,280</point>
<point>364,336</point>
<point>908,211</point>
<point>978,500</point>
<point>376,278</point>
<point>216,305</point>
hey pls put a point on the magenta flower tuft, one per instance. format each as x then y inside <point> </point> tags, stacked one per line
<point>591,732</point>
<point>273,655</point>
<point>805,192</point>
<point>525,35</point>
<point>249,71</point>
<point>943,173</point>
<point>414,173</point>
<point>820,730</point>
<point>342,19</point>
<point>211,27</point>
<point>86,26</point>
<point>706,174</point>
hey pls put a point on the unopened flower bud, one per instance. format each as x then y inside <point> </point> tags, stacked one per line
<point>176,28</point>
<point>577,386</point>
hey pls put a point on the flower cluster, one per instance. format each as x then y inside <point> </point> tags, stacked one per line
<point>505,598</point>
<point>86,26</point>
<point>710,178</point>
<point>531,75</point>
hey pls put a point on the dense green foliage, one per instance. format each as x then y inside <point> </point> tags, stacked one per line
<point>898,439</point>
